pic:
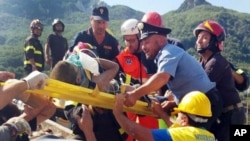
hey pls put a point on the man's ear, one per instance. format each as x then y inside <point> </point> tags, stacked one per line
<point>185,120</point>
<point>78,78</point>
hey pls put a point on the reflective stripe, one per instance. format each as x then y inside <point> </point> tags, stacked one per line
<point>87,72</point>
<point>239,71</point>
<point>38,52</point>
<point>27,48</point>
<point>26,62</point>
<point>128,79</point>
<point>232,107</point>
<point>121,131</point>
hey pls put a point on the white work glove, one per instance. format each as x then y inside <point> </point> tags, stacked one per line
<point>21,125</point>
<point>36,80</point>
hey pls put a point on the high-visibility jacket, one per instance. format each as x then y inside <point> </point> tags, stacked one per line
<point>33,49</point>
<point>130,64</point>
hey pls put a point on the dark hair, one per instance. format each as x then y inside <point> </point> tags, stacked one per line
<point>194,123</point>
<point>9,111</point>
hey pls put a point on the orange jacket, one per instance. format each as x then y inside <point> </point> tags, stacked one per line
<point>131,64</point>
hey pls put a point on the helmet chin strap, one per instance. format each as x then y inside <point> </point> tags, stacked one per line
<point>211,46</point>
<point>202,50</point>
<point>58,30</point>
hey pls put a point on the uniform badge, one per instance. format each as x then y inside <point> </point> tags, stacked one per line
<point>140,26</point>
<point>128,61</point>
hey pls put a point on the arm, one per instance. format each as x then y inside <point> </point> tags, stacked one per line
<point>85,123</point>
<point>47,53</point>
<point>158,110</point>
<point>237,77</point>
<point>5,75</point>
<point>110,71</point>
<point>135,130</point>
<point>154,83</point>
<point>39,107</point>
<point>10,91</point>
<point>15,88</point>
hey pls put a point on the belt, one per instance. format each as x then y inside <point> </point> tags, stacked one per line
<point>232,107</point>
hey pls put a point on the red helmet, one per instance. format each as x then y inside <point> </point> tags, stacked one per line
<point>36,24</point>
<point>153,18</point>
<point>152,23</point>
<point>213,28</point>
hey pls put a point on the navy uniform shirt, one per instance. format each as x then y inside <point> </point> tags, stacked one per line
<point>108,49</point>
<point>58,46</point>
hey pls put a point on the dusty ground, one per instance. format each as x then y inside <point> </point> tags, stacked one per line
<point>51,127</point>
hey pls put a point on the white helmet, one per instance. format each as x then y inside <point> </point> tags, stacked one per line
<point>129,27</point>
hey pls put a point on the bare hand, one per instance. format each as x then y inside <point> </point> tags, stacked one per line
<point>5,75</point>
<point>85,122</point>
<point>130,99</point>
<point>168,105</point>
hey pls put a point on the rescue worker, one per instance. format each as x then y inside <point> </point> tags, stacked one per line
<point>209,37</point>
<point>33,50</point>
<point>175,68</point>
<point>105,127</point>
<point>105,44</point>
<point>129,59</point>
<point>56,45</point>
<point>193,111</point>
<point>130,63</point>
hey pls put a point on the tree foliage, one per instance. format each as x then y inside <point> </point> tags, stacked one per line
<point>15,16</point>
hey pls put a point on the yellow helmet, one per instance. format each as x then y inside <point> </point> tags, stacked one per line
<point>195,103</point>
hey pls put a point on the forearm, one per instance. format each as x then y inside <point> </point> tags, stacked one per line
<point>237,77</point>
<point>90,136</point>
<point>38,101</point>
<point>10,91</point>
<point>166,119</point>
<point>47,50</point>
<point>153,84</point>
<point>110,71</point>
<point>110,67</point>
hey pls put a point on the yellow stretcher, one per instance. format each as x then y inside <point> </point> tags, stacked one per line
<point>59,89</point>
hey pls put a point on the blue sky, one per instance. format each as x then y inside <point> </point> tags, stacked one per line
<point>164,6</point>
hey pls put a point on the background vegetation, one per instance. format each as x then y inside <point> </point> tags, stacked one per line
<point>16,15</point>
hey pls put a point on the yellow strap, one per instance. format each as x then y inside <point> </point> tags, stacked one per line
<point>123,86</point>
<point>88,74</point>
<point>128,79</point>
<point>121,131</point>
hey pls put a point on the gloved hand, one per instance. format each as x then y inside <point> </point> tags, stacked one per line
<point>21,125</point>
<point>36,80</point>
